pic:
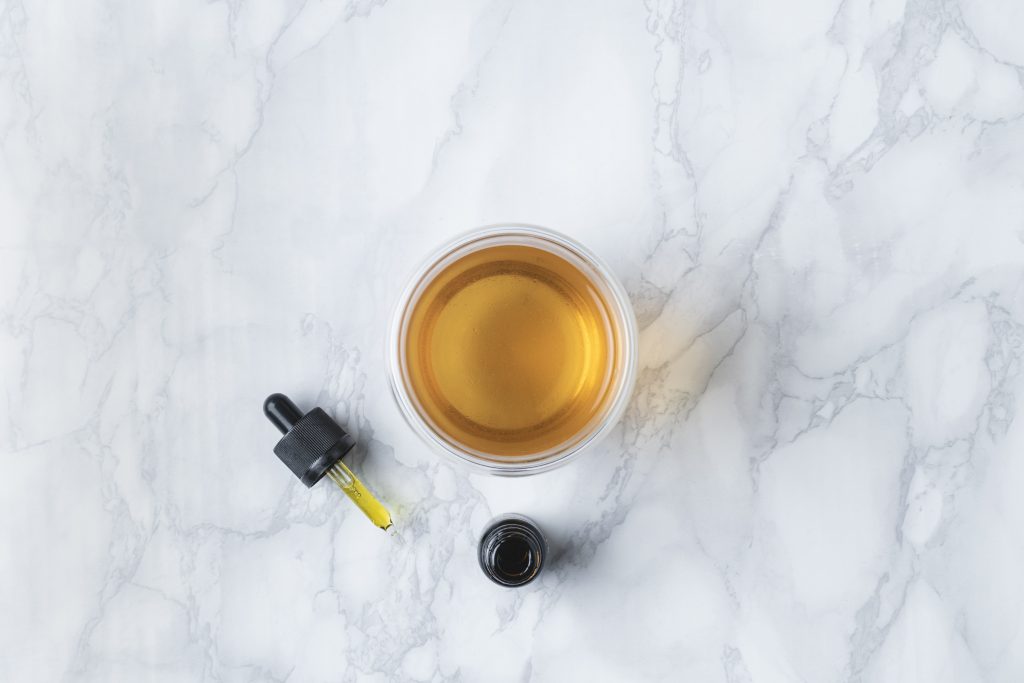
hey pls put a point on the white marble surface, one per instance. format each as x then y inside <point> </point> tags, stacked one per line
<point>816,206</point>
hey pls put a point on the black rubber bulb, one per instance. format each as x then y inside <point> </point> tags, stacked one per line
<point>282,411</point>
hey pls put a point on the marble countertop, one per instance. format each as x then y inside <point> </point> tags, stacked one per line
<point>817,209</point>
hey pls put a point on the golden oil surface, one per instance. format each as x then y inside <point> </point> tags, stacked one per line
<point>510,350</point>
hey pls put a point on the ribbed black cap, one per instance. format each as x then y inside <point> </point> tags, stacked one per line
<point>311,444</point>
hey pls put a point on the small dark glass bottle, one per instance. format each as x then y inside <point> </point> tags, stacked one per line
<point>512,550</point>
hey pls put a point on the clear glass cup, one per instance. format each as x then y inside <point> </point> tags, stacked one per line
<point>623,338</point>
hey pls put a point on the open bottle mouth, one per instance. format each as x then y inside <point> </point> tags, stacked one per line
<point>453,419</point>
<point>512,551</point>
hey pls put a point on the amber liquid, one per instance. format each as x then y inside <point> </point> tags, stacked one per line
<point>511,351</point>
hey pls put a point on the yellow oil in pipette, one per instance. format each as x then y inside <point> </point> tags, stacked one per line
<point>313,445</point>
<point>341,475</point>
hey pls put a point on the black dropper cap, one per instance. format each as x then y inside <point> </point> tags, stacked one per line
<point>311,444</point>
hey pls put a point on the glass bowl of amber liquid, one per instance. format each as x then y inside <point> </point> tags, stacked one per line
<point>512,349</point>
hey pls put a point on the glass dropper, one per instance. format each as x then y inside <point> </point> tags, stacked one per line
<point>313,446</point>
<point>341,475</point>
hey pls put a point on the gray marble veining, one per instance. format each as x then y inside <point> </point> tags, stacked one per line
<point>817,209</point>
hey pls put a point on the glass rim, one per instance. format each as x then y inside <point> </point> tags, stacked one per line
<point>624,320</point>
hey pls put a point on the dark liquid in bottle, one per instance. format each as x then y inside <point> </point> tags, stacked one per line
<point>512,551</point>
<point>513,557</point>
